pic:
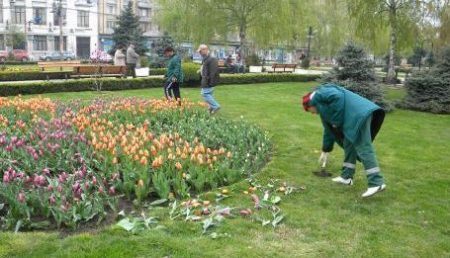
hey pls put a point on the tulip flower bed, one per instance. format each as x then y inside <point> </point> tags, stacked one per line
<point>67,163</point>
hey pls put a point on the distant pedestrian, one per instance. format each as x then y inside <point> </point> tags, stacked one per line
<point>174,75</point>
<point>210,78</point>
<point>132,59</point>
<point>119,56</point>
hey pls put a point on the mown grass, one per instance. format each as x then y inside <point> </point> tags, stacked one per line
<point>410,219</point>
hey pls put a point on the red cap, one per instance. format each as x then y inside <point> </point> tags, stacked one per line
<point>306,100</point>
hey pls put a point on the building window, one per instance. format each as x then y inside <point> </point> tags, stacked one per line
<point>1,11</point>
<point>145,26</point>
<point>56,18</point>
<point>111,9</point>
<point>56,40</point>
<point>144,12</point>
<point>39,16</point>
<point>40,43</point>
<point>110,24</point>
<point>18,14</point>
<point>83,19</point>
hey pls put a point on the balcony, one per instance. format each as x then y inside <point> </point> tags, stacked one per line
<point>144,4</point>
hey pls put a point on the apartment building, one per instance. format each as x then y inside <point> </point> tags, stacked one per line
<point>39,21</point>
<point>109,10</point>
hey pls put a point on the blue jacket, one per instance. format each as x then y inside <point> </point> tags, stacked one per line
<point>343,113</point>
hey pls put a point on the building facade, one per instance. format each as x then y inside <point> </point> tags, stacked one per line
<point>109,10</point>
<point>39,22</point>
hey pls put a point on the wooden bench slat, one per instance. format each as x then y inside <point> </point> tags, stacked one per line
<point>277,67</point>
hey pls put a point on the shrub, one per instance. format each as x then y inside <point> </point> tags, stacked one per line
<point>305,64</point>
<point>356,73</point>
<point>32,75</point>
<point>158,71</point>
<point>253,59</point>
<point>191,72</point>
<point>429,91</point>
<point>18,63</point>
<point>111,84</point>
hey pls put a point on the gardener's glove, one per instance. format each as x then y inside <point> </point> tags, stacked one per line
<point>323,159</point>
<point>174,79</point>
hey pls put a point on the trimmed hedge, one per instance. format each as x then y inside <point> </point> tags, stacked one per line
<point>158,71</point>
<point>19,63</point>
<point>33,76</point>
<point>112,84</point>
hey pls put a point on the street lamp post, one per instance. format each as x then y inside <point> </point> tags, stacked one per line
<point>57,9</point>
<point>309,41</point>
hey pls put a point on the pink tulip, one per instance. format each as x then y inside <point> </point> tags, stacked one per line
<point>46,171</point>
<point>39,180</point>
<point>52,199</point>
<point>21,197</point>
<point>6,178</point>
<point>100,190</point>
<point>112,190</point>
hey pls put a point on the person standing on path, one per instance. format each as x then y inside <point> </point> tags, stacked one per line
<point>210,78</point>
<point>174,75</point>
<point>352,122</point>
<point>132,59</point>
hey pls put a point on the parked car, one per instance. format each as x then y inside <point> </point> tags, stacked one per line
<point>19,55</point>
<point>53,56</point>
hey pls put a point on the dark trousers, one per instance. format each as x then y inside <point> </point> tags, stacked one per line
<point>172,89</point>
<point>131,70</point>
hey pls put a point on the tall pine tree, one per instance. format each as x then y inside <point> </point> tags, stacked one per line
<point>127,31</point>
<point>356,73</point>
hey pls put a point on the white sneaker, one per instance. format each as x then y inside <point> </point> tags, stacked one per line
<point>373,190</point>
<point>344,181</point>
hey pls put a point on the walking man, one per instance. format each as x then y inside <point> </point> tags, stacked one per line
<point>210,78</point>
<point>352,122</point>
<point>132,59</point>
<point>174,75</point>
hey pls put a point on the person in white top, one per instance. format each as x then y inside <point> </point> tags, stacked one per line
<point>119,56</point>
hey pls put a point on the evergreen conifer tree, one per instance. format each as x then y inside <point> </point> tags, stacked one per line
<point>127,31</point>
<point>356,73</point>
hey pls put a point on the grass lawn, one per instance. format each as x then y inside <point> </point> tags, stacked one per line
<point>410,219</point>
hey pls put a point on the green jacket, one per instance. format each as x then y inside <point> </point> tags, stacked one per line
<point>343,113</point>
<point>174,69</point>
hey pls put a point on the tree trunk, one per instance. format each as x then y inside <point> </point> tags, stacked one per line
<point>391,78</point>
<point>242,43</point>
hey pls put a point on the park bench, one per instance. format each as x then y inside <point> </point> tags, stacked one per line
<point>57,64</point>
<point>80,71</point>
<point>283,68</point>
<point>223,67</point>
